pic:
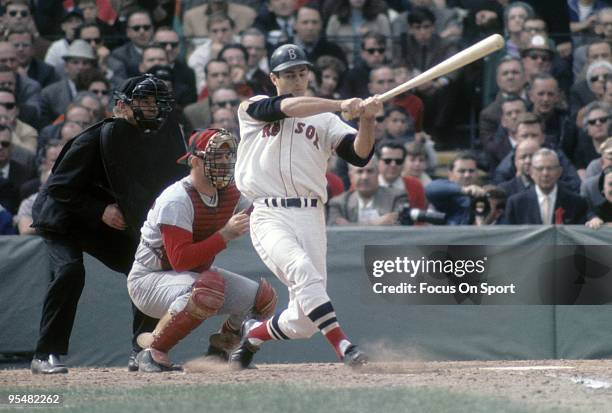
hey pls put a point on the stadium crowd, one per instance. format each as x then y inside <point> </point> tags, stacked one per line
<point>526,132</point>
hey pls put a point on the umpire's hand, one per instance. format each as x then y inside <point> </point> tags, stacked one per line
<point>113,217</point>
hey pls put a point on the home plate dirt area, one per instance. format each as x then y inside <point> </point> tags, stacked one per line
<point>526,386</point>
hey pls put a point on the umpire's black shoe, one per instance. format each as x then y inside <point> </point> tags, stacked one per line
<point>50,364</point>
<point>353,357</point>
<point>132,361</point>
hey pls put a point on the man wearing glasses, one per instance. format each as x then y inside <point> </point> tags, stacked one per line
<point>373,47</point>
<point>124,60</point>
<point>546,202</point>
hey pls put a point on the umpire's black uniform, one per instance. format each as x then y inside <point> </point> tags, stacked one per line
<point>68,214</point>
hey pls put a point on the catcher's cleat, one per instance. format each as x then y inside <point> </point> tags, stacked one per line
<point>353,357</point>
<point>242,357</point>
<point>48,365</point>
<point>148,364</point>
<point>132,361</point>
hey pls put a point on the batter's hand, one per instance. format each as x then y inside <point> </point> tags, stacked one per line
<point>113,217</point>
<point>236,226</point>
<point>351,108</point>
<point>370,107</point>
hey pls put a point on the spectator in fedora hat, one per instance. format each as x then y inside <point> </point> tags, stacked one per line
<point>57,96</point>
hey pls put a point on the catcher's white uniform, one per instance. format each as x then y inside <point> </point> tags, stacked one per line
<point>283,163</point>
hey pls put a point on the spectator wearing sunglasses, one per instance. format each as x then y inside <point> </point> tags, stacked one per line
<point>391,157</point>
<point>13,174</point>
<point>22,134</point>
<point>71,20</point>
<point>124,60</point>
<point>93,80</point>
<point>28,65</point>
<point>352,20</point>
<point>372,55</point>
<point>596,127</point>
<point>183,77</point>
<point>18,16</point>
<point>581,93</point>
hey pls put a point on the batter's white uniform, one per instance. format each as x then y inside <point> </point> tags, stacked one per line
<point>288,159</point>
<point>154,290</point>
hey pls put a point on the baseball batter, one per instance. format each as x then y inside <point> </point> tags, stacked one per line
<point>172,277</point>
<point>286,141</point>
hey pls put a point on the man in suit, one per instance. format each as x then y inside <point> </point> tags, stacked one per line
<point>27,90</point>
<point>589,189</point>
<point>368,203</point>
<point>217,74</point>
<point>277,21</point>
<point>22,40</point>
<point>183,77</point>
<point>373,48</point>
<point>546,202</point>
<point>504,139</point>
<point>57,96</point>
<point>124,60</point>
<point>391,156</point>
<point>529,126</point>
<point>307,30</point>
<point>522,162</point>
<point>12,173</point>
<point>510,80</point>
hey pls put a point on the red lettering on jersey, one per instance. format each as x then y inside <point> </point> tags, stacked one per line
<point>300,127</point>
<point>311,133</point>
<point>270,129</point>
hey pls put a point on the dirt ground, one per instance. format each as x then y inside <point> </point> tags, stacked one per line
<point>584,385</point>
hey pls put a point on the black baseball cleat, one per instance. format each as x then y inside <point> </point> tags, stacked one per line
<point>353,357</point>
<point>50,364</point>
<point>146,363</point>
<point>132,361</point>
<point>242,357</point>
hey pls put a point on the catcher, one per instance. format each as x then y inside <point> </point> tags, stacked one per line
<point>173,278</point>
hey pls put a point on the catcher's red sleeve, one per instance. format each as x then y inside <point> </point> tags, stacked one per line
<point>183,253</point>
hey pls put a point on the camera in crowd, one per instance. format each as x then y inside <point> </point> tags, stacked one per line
<point>494,197</point>
<point>411,216</point>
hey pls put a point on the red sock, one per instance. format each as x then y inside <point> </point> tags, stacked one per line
<point>260,333</point>
<point>338,340</point>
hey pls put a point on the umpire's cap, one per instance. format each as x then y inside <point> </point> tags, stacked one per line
<point>286,56</point>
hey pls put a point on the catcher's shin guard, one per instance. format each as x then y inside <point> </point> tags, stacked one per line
<point>207,297</point>
<point>265,301</point>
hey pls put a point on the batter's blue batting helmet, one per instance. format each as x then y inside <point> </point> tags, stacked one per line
<point>286,56</point>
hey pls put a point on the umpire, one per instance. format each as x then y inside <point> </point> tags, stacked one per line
<point>95,201</point>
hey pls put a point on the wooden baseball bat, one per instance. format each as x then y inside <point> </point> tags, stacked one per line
<point>456,61</point>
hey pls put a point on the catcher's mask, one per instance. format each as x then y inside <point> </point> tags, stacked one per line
<point>217,148</point>
<point>150,99</point>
